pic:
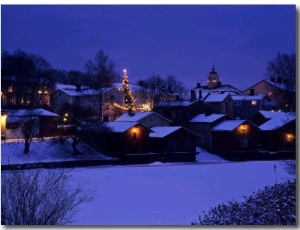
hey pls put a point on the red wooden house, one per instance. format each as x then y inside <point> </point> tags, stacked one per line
<point>119,139</point>
<point>234,137</point>
<point>173,143</point>
<point>278,130</point>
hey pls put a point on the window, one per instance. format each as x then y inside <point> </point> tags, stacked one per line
<point>173,114</point>
<point>172,144</point>
<point>152,120</point>
<point>113,97</point>
<point>270,93</point>
<point>253,102</point>
<point>187,144</point>
<point>223,107</point>
<point>237,103</point>
<point>243,142</point>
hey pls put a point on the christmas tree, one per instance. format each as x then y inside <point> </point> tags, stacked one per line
<point>129,103</point>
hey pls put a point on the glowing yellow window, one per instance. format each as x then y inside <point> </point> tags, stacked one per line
<point>254,102</point>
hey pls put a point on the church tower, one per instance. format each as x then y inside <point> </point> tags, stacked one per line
<point>213,79</point>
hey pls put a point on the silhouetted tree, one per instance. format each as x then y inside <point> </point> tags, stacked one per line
<point>25,79</point>
<point>101,71</point>
<point>282,69</point>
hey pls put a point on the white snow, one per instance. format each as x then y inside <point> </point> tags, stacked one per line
<point>136,117</point>
<point>162,131</point>
<point>155,194</point>
<point>228,125</point>
<point>277,119</point>
<point>120,127</point>
<point>248,97</point>
<point>218,97</point>
<point>208,119</point>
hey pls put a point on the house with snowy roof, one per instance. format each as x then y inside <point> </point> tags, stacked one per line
<point>274,89</point>
<point>232,137</point>
<point>173,143</point>
<point>102,105</point>
<point>122,140</point>
<point>245,106</point>
<point>221,102</point>
<point>202,125</point>
<point>45,122</point>
<point>148,119</point>
<point>278,130</point>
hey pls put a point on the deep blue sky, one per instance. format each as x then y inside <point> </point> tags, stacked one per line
<point>183,40</point>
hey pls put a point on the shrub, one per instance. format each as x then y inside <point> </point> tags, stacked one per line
<point>39,197</point>
<point>274,205</point>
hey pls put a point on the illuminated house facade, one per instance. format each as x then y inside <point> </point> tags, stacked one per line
<point>234,136</point>
<point>278,130</point>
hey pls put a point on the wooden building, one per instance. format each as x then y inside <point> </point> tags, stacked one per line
<point>234,137</point>
<point>173,143</point>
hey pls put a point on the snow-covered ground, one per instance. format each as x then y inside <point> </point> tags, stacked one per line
<point>157,193</point>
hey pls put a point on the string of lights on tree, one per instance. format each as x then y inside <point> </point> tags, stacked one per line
<point>129,101</point>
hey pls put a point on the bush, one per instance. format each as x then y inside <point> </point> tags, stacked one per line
<point>39,197</point>
<point>274,205</point>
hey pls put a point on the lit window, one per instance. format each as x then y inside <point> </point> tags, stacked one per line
<point>10,89</point>
<point>270,93</point>
<point>253,102</point>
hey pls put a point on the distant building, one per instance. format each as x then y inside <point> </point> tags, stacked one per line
<point>102,104</point>
<point>202,125</point>
<point>148,119</point>
<point>275,91</point>
<point>214,85</point>
<point>245,106</point>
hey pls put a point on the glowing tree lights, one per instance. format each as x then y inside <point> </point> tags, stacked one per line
<point>129,103</point>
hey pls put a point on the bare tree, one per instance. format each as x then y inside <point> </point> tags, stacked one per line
<point>101,71</point>
<point>29,127</point>
<point>282,69</point>
<point>26,79</point>
<point>162,90</point>
<point>40,197</point>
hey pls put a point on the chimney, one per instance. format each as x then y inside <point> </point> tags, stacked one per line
<point>78,87</point>
<point>200,94</point>
<point>251,92</point>
<point>198,85</point>
<point>193,95</point>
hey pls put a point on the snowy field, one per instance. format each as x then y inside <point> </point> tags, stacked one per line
<point>156,194</point>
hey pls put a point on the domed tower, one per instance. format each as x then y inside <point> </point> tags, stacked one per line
<point>213,78</point>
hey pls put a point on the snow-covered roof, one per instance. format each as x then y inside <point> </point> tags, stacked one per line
<point>162,131</point>
<point>84,90</point>
<point>216,97</point>
<point>248,97</point>
<point>176,103</point>
<point>120,127</point>
<point>277,119</point>
<point>138,116</point>
<point>210,118</point>
<point>228,125</point>
<point>31,112</point>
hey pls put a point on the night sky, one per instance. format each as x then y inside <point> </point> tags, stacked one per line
<point>183,40</point>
